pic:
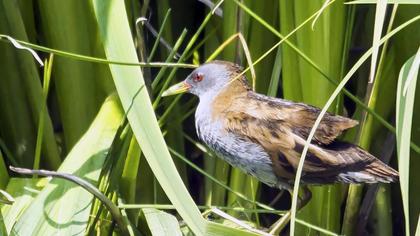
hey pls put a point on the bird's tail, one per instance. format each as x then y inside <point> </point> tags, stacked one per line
<point>362,167</point>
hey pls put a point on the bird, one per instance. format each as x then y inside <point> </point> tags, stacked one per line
<point>264,136</point>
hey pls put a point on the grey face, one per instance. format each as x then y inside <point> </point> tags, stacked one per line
<point>208,79</point>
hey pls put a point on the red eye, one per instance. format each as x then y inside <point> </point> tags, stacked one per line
<point>198,77</point>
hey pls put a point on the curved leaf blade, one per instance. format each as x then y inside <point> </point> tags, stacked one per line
<point>404,117</point>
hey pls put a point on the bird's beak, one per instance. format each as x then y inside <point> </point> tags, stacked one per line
<point>180,87</point>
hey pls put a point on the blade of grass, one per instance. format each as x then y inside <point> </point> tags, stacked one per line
<point>42,114</point>
<point>19,46</point>
<point>24,191</point>
<point>405,46</point>
<point>172,207</point>
<point>237,221</point>
<point>81,57</point>
<point>129,175</point>
<point>229,28</point>
<point>155,45</point>
<point>379,22</point>
<point>246,51</point>
<point>159,222</point>
<point>324,6</point>
<point>389,2</point>
<point>275,74</point>
<point>169,58</point>
<point>4,175</point>
<point>404,115</point>
<point>289,68</point>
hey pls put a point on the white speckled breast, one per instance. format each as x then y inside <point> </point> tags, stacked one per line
<point>237,151</point>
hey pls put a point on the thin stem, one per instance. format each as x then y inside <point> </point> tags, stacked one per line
<point>112,208</point>
<point>81,57</point>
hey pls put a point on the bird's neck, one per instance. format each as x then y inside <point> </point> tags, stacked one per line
<point>211,111</point>
<point>213,104</point>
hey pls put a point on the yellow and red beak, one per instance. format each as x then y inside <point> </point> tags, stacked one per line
<point>178,88</point>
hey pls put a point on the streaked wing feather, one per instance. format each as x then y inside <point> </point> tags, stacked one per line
<point>301,117</point>
<point>270,135</point>
<point>283,146</point>
<point>336,162</point>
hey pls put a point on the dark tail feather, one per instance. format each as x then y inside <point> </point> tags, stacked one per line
<point>361,166</point>
<point>381,172</point>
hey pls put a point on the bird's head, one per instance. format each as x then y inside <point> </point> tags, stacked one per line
<point>208,79</point>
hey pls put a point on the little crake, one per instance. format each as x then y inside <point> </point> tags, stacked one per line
<point>264,136</point>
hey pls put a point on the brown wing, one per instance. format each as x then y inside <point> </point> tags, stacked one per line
<point>283,146</point>
<point>337,162</point>
<point>300,117</point>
